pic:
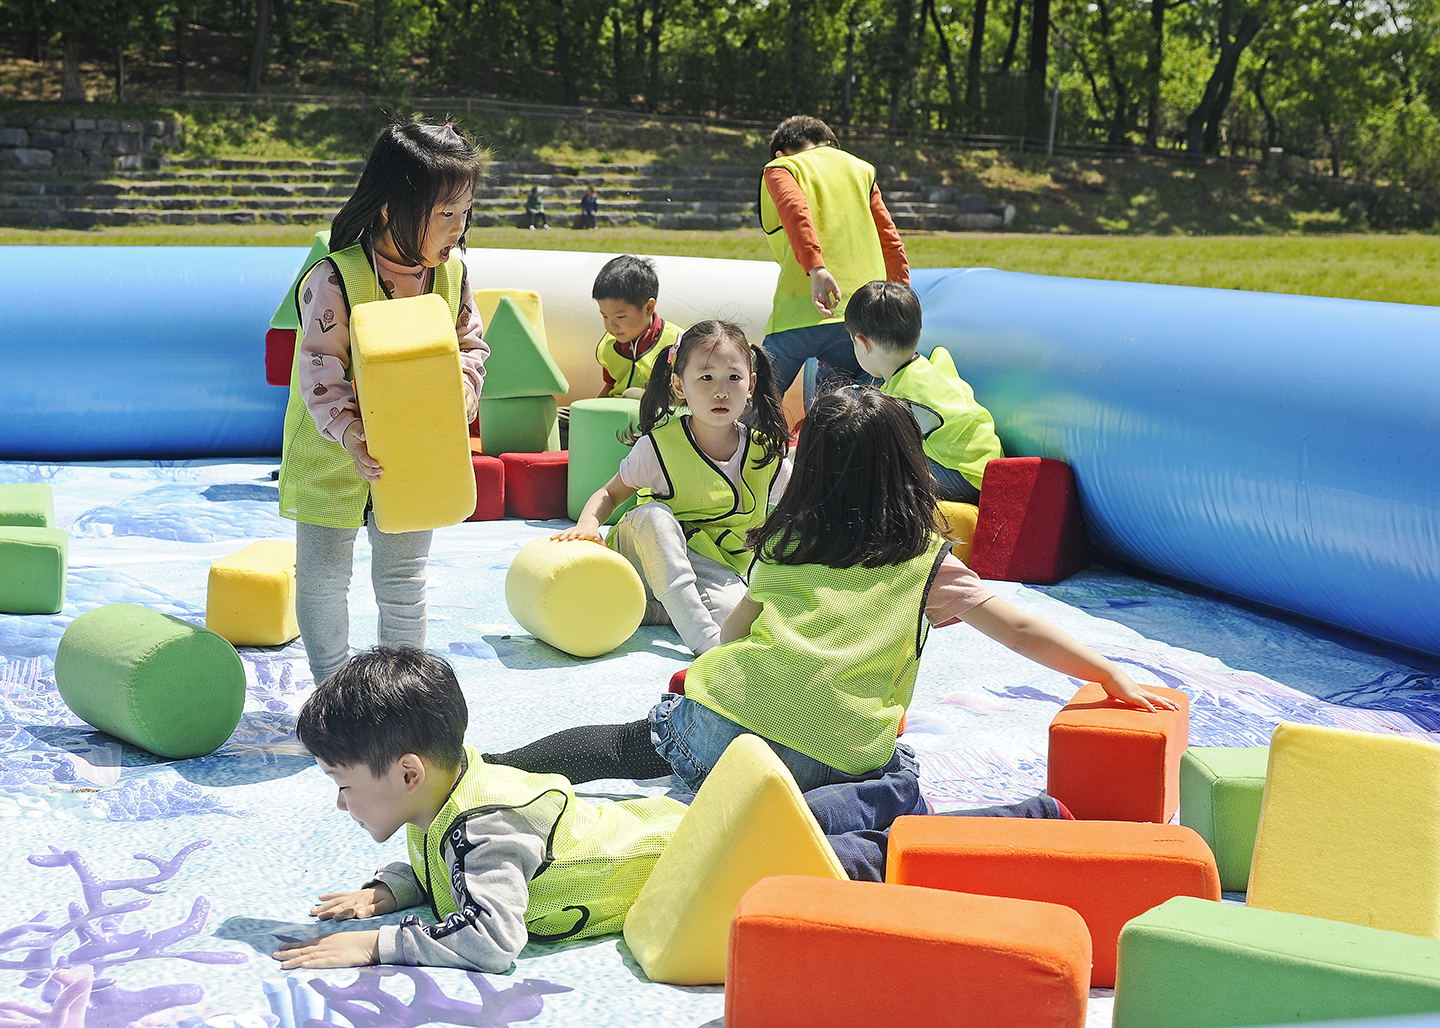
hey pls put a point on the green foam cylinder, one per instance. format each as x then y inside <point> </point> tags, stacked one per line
<point>1220,792</point>
<point>596,450</point>
<point>1193,963</point>
<point>27,505</point>
<point>32,569</point>
<point>150,679</point>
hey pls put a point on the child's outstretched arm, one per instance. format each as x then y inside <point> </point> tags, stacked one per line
<point>597,511</point>
<point>741,617</point>
<point>342,949</point>
<point>1042,642</point>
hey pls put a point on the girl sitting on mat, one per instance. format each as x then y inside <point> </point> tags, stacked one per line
<point>400,234</point>
<point>705,479</point>
<point>820,657</point>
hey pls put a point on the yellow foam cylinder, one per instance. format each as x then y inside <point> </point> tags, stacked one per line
<point>579,596</point>
<point>250,600</point>
<point>412,403</point>
<point>1350,829</point>
<point>959,521</point>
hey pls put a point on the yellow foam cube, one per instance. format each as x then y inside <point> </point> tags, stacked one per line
<point>579,596</point>
<point>486,300</point>
<point>748,822</point>
<point>959,521</point>
<point>412,403</point>
<point>1350,829</point>
<point>251,596</point>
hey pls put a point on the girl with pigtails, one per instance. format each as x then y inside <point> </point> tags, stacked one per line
<point>705,479</point>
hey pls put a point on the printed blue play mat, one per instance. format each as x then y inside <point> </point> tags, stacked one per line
<point>152,892</point>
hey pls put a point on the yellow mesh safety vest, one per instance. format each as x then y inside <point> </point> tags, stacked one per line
<point>597,855</point>
<point>837,188</point>
<point>829,666</point>
<point>629,373</point>
<point>958,432</point>
<point>318,481</point>
<point>715,513</point>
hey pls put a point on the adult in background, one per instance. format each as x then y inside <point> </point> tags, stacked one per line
<point>831,233</point>
<point>535,208</point>
<point>589,208</point>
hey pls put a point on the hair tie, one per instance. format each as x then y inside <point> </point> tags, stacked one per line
<point>674,349</point>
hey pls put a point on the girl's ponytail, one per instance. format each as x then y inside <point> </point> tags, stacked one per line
<point>657,402</point>
<point>768,408</point>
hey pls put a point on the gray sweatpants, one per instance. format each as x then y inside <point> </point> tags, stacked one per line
<point>683,588</point>
<point>324,559</point>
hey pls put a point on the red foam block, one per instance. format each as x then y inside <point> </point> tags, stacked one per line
<point>489,488</point>
<point>279,355</point>
<point>1029,527</point>
<point>535,484</point>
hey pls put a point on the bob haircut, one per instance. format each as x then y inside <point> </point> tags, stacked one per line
<point>798,130</point>
<point>861,492</point>
<point>629,279</point>
<point>411,170</point>
<point>887,313</point>
<point>384,703</point>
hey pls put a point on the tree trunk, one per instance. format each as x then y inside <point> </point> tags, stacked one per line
<point>564,63</point>
<point>379,27</point>
<point>973,100</point>
<point>1202,126</point>
<point>1118,135</point>
<point>257,52</point>
<point>1037,113</point>
<point>1008,60</point>
<point>70,87</point>
<point>617,48</point>
<point>119,73</point>
<point>1272,128</point>
<point>901,65</point>
<point>1153,65</point>
<point>180,49</point>
<point>797,52</point>
<point>952,84</point>
<point>652,82</point>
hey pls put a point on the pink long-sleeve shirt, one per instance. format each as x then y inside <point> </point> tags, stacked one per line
<point>325,342</point>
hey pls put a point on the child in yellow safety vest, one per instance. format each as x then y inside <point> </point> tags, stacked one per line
<point>821,655</point>
<point>705,479</point>
<point>400,234</point>
<point>635,335</point>
<point>958,434</point>
<point>389,729</point>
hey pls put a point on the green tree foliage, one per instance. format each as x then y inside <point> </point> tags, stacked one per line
<point>1352,86</point>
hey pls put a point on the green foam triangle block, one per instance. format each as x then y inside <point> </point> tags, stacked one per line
<point>287,315</point>
<point>519,363</point>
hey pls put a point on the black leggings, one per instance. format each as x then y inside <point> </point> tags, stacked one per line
<point>589,752</point>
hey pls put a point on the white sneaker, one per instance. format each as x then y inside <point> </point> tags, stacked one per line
<point>532,228</point>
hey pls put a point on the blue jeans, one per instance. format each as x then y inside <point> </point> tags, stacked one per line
<point>951,485</point>
<point>829,342</point>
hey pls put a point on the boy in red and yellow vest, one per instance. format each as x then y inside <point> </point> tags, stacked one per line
<point>626,290</point>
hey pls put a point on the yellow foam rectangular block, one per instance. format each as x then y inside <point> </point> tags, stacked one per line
<point>748,822</point>
<point>251,596</point>
<point>486,300</point>
<point>1350,829</point>
<point>959,521</point>
<point>412,403</point>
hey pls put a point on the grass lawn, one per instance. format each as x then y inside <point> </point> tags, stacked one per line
<point>1399,268</point>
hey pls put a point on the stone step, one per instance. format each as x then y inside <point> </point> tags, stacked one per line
<point>262,164</point>
<point>87,218</point>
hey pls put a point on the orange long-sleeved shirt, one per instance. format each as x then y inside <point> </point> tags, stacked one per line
<point>794,212</point>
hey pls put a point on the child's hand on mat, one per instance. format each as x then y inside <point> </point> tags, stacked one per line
<point>335,949</point>
<point>342,906</point>
<point>584,529</point>
<point>824,292</point>
<point>472,405</point>
<point>354,441</point>
<point>1122,687</point>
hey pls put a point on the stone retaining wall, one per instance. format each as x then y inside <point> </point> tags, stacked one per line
<point>29,143</point>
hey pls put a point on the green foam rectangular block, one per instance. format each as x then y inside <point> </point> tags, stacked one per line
<point>27,505</point>
<point>596,450</point>
<point>1193,963</point>
<point>32,569</point>
<point>1220,792</point>
<point>518,424</point>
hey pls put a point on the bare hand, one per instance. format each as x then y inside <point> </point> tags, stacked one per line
<point>584,529</point>
<point>354,441</point>
<point>1123,688</point>
<point>342,906</point>
<point>334,949</point>
<point>472,405</point>
<point>824,292</point>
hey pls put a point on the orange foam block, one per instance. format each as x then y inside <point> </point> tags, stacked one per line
<point>1107,871</point>
<point>817,952</point>
<point>1112,762</point>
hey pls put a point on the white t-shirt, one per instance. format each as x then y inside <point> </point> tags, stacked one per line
<point>641,468</point>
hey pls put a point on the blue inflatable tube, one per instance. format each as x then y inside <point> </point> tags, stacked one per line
<point>131,351</point>
<point>1284,449</point>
